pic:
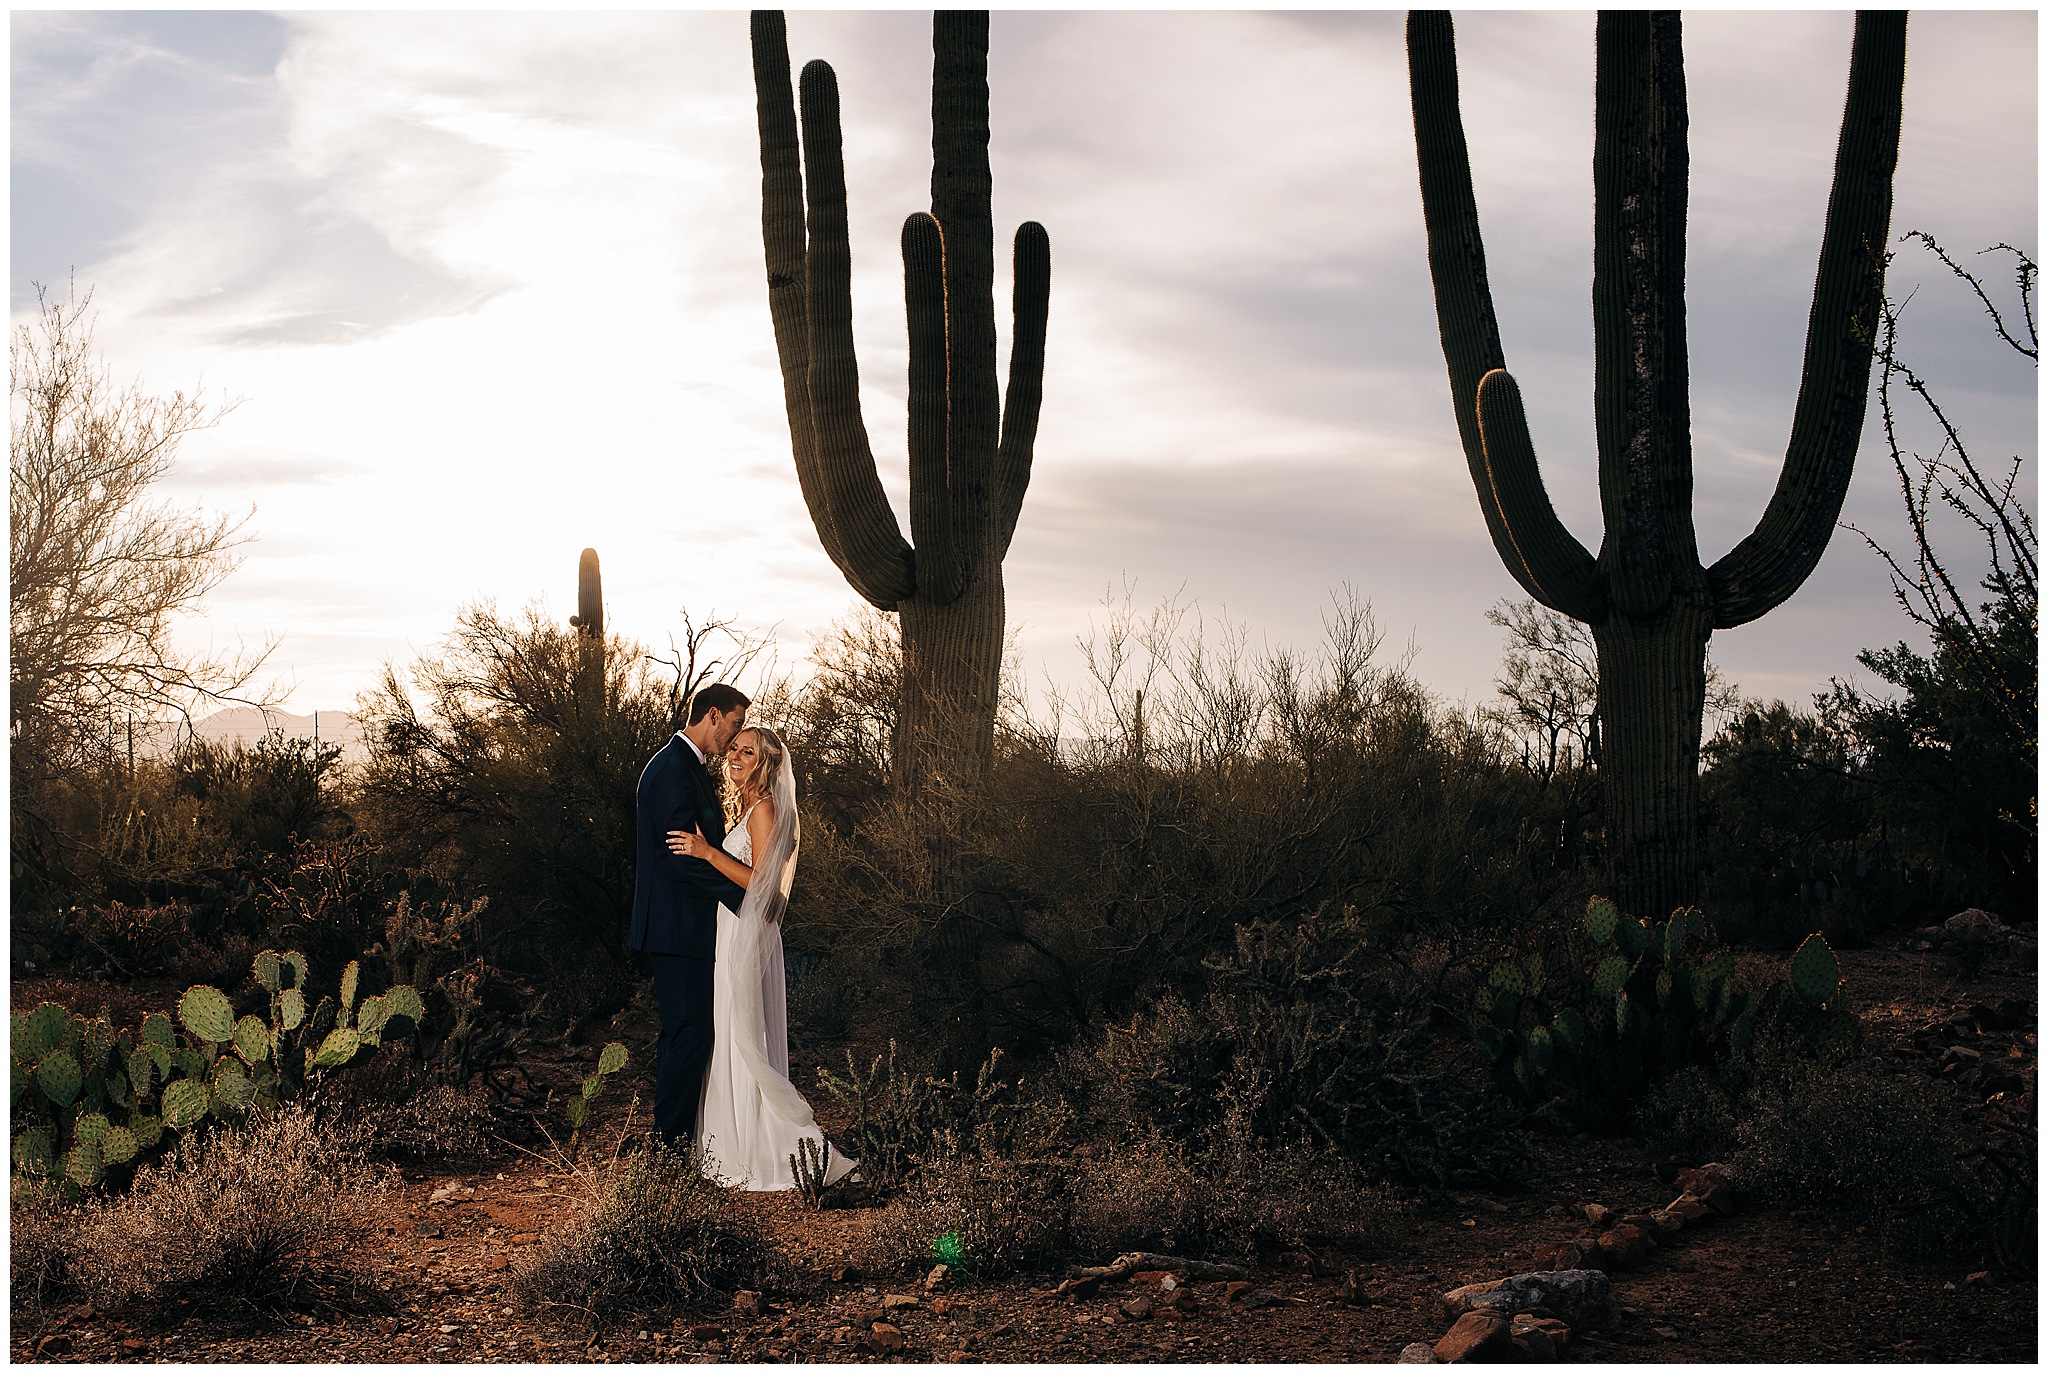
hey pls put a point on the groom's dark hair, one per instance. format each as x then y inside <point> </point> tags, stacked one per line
<point>717,697</point>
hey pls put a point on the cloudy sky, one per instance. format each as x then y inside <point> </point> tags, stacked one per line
<point>488,290</point>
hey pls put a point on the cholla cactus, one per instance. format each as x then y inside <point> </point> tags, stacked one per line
<point>810,1167</point>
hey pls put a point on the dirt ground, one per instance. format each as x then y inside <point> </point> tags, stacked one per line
<point>1757,1286</point>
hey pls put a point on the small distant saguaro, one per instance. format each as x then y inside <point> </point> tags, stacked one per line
<point>589,617</point>
<point>970,448</point>
<point>1651,604</point>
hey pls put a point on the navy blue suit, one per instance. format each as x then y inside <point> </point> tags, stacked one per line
<point>675,922</point>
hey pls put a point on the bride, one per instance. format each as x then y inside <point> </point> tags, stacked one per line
<point>751,1119</point>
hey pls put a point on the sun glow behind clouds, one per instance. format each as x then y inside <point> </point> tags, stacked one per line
<point>491,287</point>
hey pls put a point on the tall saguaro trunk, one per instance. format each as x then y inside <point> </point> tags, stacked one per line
<point>970,453</point>
<point>1651,604</point>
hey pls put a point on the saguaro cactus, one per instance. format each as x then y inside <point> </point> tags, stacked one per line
<point>589,617</point>
<point>588,623</point>
<point>970,454</point>
<point>1651,605</point>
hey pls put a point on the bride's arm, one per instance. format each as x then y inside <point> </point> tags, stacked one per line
<point>691,844</point>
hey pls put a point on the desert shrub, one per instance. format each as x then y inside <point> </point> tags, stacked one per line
<point>659,1237</point>
<point>1689,1114</point>
<point>1794,841</point>
<point>175,832</point>
<point>238,1218</point>
<point>1227,1202</point>
<point>132,939</point>
<point>39,1238</point>
<point>508,764</point>
<point>979,1212</point>
<point>1123,834</point>
<point>1145,1193</point>
<point>222,962</point>
<point>406,1116</point>
<point>1886,1142</point>
<point>1306,1033</point>
<point>903,1113</point>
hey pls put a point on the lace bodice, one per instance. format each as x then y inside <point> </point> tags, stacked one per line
<point>739,841</point>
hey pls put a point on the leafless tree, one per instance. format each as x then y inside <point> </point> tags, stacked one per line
<point>1989,502</point>
<point>99,572</point>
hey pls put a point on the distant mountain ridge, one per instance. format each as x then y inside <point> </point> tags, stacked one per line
<point>247,725</point>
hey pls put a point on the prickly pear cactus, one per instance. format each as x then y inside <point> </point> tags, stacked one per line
<point>1816,974</point>
<point>91,1100</point>
<point>206,1012</point>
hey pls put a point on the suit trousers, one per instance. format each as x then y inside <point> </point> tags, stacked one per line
<point>682,989</point>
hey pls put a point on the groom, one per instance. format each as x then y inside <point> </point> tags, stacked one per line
<point>675,902</point>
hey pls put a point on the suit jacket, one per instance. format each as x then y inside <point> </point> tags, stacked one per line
<point>675,900</point>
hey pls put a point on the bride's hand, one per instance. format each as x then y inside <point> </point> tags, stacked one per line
<point>690,844</point>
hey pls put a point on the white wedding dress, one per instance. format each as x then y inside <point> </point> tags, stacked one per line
<point>751,1118</point>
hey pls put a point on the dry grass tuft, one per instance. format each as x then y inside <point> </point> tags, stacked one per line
<point>250,1218</point>
<point>659,1238</point>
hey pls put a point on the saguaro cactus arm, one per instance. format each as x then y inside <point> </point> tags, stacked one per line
<point>1031,287</point>
<point>961,188</point>
<point>1768,566</point>
<point>934,511</point>
<point>782,237</point>
<point>1534,545</point>
<point>1532,542</point>
<point>877,560</point>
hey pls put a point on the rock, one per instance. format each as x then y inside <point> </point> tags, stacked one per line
<point>706,1332</point>
<point>1560,1334</point>
<point>1974,924</point>
<point>885,1339</point>
<point>1598,1215</point>
<point>49,1347</point>
<point>1348,1293</point>
<point>497,1264</point>
<point>426,1228</point>
<point>1184,1300</point>
<point>1565,1256</point>
<point>1079,1288</point>
<point>1235,1289</point>
<point>946,1307</point>
<point>955,1357</point>
<point>1534,1343</point>
<point>936,1280</point>
<point>1664,1333</point>
<point>1665,1223</point>
<point>1136,1308</point>
<point>896,1302</point>
<point>448,1328</point>
<point>747,1304</point>
<point>1416,1352</point>
<point>1582,1297</point>
<point>1982,1276</point>
<point>1713,1171</point>
<point>1688,1209</point>
<point>1625,1245</point>
<point>523,1238</point>
<point>1477,1338</point>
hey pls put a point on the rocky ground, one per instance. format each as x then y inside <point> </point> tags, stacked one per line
<point>1753,1285</point>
